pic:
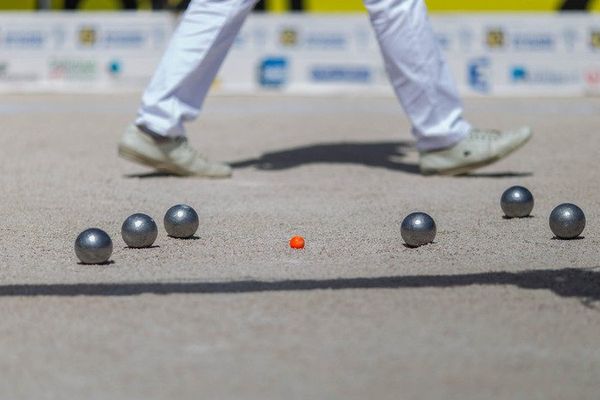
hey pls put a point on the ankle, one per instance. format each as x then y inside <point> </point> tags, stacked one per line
<point>153,135</point>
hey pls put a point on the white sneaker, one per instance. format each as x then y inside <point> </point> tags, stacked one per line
<point>479,148</point>
<point>172,155</point>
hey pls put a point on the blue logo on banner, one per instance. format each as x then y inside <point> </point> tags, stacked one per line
<point>326,41</point>
<point>341,74</point>
<point>478,74</point>
<point>24,39</point>
<point>124,39</point>
<point>115,67</point>
<point>518,74</point>
<point>273,72</point>
<point>534,41</point>
<point>545,76</point>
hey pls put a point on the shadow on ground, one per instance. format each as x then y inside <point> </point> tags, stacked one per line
<point>154,174</point>
<point>379,154</point>
<point>582,284</point>
<point>388,155</point>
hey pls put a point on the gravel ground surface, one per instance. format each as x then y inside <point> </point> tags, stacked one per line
<point>495,308</point>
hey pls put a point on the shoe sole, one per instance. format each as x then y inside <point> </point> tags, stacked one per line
<point>465,169</point>
<point>134,156</point>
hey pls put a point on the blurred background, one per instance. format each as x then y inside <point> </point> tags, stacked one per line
<point>307,5</point>
<point>494,47</point>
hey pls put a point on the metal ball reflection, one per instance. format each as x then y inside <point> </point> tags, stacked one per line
<point>139,230</point>
<point>516,202</point>
<point>567,221</point>
<point>181,221</point>
<point>418,229</point>
<point>93,246</point>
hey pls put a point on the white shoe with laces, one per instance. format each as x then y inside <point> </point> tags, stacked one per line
<point>478,149</point>
<point>172,155</point>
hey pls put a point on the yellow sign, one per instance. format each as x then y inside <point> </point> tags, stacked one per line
<point>451,5</point>
<point>495,38</point>
<point>58,4</point>
<point>18,5</point>
<point>505,5</point>
<point>334,6</point>
<point>341,5</point>
<point>87,36</point>
<point>595,39</point>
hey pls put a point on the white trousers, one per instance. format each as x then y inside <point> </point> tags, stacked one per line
<point>414,63</point>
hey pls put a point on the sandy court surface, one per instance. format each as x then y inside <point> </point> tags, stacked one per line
<point>495,308</point>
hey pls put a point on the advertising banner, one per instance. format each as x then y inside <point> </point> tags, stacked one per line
<point>490,54</point>
<point>67,51</point>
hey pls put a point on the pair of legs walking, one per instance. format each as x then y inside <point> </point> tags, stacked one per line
<point>417,71</point>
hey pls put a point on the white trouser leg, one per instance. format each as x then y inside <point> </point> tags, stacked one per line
<point>188,67</point>
<point>418,72</point>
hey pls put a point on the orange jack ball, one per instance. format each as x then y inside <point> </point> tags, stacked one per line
<point>297,242</point>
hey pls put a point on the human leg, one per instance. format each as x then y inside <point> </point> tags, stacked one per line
<point>179,87</point>
<point>184,76</point>
<point>424,86</point>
